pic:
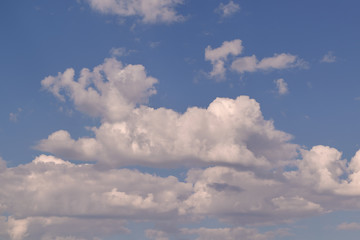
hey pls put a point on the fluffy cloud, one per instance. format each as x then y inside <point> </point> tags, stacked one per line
<point>226,10</point>
<point>150,11</point>
<point>62,197</point>
<point>54,187</point>
<point>281,86</point>
<point>111,90</point>
<point>229,131</point>
<point>219,58</point>
<point>84,201</point>
<point>59,228</point>
<point>328,58</point>
<point>278,61</point>
<point>349,226</point>
<point>242,197</point>
<point>241,158</point>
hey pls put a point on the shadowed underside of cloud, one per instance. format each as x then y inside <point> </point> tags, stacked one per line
<point>61,195</point>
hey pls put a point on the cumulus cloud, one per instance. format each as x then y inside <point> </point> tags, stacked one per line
<point>329,57</point>
<point>54,187</point>
<point>229,131</point>
<point>218,56</point>
<point>85,202</point>
<point>226,10</point>
<point>278,61</point>
<point>349,226</point>
<point>150,11</point>
<point>281,86</point>
<point>241,177</point>
<point>218,190</point>
<point>59,228</point>
<point>82,201</point>
<point>219,59</point>
<point>110,91</point>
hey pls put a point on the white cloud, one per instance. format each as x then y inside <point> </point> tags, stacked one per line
<point>320,167</point>
<point>329,57</point>
<point>218,190</point>
<point>219,60</point>
<point>242,180</point>
<point>54,187</point>
<point>218,56</point>
<point>156,234</point>
<point>349,226</point>
<point>232,233</point>
<point>150,11</point>
<point>118,52</point>
<point>227,10</point>
<point>282,87</point>
<point>13,116</point>
<point>110,91</point>
<point>278,61</point>
<point>59,228</point>
<point>229,131</point>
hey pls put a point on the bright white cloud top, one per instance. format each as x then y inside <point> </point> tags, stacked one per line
<point>113,138</point>
<point>150,11</point>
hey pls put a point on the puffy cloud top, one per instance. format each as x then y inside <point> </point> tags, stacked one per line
<point>150,11</point>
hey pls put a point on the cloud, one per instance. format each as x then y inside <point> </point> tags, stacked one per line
<point>232,233</point>
<point>13,117</point>
<point>282,87</point>
<point>349,226</point>
<point>328,58</point>
<point>218,56</point>
<point>219,59</point>
<point>278,61</point>
<point>156,234</point>
<point>263,199</point>
<point>150,11</point>
<point>80,201</point>
<point>229,131</point>
<point>226,10</point>
<point>236,163</point>
<point>110,91</point>
<point>118,52</point>
<point>59,228</point>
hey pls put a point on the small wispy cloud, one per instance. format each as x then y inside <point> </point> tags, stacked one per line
<point>281,86</point>
<point>118,52</point>
<point>13,116</point>
<point>328,58</point>
<point>154,44</point>
<point>349,226</point>
<point>226,10</point>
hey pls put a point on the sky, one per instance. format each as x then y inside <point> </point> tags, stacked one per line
<point>179,119</point>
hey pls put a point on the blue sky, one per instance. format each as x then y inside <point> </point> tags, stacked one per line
<point>179,119</point>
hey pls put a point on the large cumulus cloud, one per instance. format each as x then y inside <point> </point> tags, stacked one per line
<point>229,131</point>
